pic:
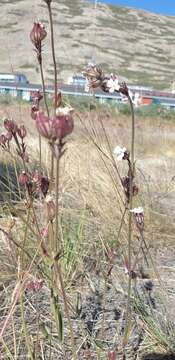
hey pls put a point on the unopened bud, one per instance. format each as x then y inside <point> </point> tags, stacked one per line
<point>22,131</point>
<point>8,136</point>
<point>23,178</point>
<point>51,210</point>
<point>37,34</point>
<point>10,126</point>
<point>3,139</point>
<point>34,111</point>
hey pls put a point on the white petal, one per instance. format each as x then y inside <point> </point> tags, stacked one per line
<point>117,150</point>
<point>111,89</point>
<point>138,210</point>
<point>87,87</point>
<point>117,87</point>
<point>120,157</point>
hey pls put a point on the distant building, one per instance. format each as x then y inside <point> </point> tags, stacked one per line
<point>13,78</point>
<point>78,80</point>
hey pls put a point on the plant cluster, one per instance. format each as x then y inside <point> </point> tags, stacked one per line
<point>49,263</point>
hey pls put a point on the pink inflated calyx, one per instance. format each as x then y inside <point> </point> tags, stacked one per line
<point>43,124</point>
<point>38,34</point>
<point>55,128</point>
<point>62,126</point>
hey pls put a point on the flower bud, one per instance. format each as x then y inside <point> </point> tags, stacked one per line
<point>37,34</point>
<point>34,111</point>
<point>3,139</point>
<point>22,131</point>
<point>44,185</point>
<point>36,96</point>
<point>8,136</point>
<point>51,210</point>
<point>10,126</point>
<point>23,178</point>
<point>57,101</point>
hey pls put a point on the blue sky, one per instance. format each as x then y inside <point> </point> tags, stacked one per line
<point>159,6</point>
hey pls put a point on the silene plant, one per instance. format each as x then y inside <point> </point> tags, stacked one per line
<point>54,123</point>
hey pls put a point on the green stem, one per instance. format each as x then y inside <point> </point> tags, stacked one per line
<point>25,237</point>
<point>30,353</point>
<point>66,307</point>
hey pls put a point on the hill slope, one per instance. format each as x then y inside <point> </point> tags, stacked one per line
<point>137,44</point>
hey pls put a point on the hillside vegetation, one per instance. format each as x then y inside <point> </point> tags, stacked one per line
<point>137,44</point>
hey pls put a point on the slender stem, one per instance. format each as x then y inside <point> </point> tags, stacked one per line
<point>55,79</point>
<point>59,273</point>
<point>25,237</point>
<point>26,335</point>
<point>57,203</point>
<point>131,175</point>
<point>47,109</point>
<point>53,53</point>
<point>43,86</point>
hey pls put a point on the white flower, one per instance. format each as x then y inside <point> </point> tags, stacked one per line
<point>113,85</point>
<point>66,110</point>
<point>87,86</point>
<point>119,152</point>
<point>138,210</point>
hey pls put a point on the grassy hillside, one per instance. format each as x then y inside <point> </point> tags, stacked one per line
<point>137,44</point>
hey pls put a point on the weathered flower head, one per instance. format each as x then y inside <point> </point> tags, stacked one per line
<point>126,186</point>
<point>57,127</point>
<point>38,34</point>
<point>121,153</point>
<point>94,76</point>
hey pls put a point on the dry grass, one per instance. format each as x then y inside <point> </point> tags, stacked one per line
<point>91,206</point>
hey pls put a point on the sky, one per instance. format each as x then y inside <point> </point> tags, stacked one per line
<point>159,6</point>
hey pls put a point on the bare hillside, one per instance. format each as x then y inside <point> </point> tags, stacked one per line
<point>137,44</point>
